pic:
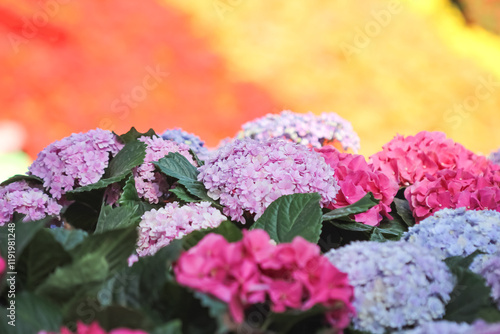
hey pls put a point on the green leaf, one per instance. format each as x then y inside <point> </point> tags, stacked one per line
<point>86,271</point>
<point>285,321</point>
<point>177,166</point>
<point>22,177</point>
<point>33,314</point>
<point>129,194</point>
<point>392,229</point>
<point>365,203</point>
<point>82,216</point>
<point>377,235</point>
<point>130,156</point>
<point>351,226</point>
<point>292,215</point>
<point>470,299</point>
<point>216,309</point>
<point>133,135</point>
<point>227,229</point>
<point>68,239</point>
<point>183,195</point>
<point>403,210</point>
<point>116,316</point>
<point>20,233</point>
<point>172,327</point>
<point>115,218</point>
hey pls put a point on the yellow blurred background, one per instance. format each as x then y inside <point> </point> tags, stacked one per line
<point>387,66</point>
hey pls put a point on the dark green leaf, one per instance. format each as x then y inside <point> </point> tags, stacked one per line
<point>292,215</point>
<point>22,177</point>
<point>183,195</point>
<point>457,262</point>
<point>352,226</point>
<point>404,211</point>
<point>68,239</point>
<point>377,235</point>
<point>227,229</point>
<point>216,309</point>
<point>82,216</point>
<point>283,322</point>
<point>392,229</point>
<point>133,135</point>
<point>32,314</point>
<point>116,316</point>
<point>129,194</point>
<point>365,203</point>
<point>19,232</point>
<point>172,327</point>
<point>115,218</point>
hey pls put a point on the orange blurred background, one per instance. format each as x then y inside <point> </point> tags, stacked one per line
<point>208,66</point>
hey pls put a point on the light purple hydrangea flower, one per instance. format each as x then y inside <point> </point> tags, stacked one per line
<point>194,142</point>
<point>151,184</point>
<point>396,284</point>
<point>27,199</point>
<point>439,327</point>
<point>160,226</point>
<point>495,157</point>
<point>248,175</point>
<point>75,161</point>
<point>488,266</point>
<point>458,232</point>
<point>307,129</point>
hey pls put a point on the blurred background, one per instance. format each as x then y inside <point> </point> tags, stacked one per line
<point>208,66</point>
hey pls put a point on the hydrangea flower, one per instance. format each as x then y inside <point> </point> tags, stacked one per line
<point>307,129</point>
<point>151,184</point>
<point>396,284</point>
<point>439,327</point>
<point>27,199</point>
<point>287,276</point>
<point>94,328</point>
<point>488,266</point>
<point>458,232</point>
<point>453,189</point>
<point>495,157</point>
<point>356,178</point>
<point>247,175</point>
<point>159,227</point>
<point>409,159</point>
<point>75,161</point>
<point>3,265</point>
<point>183,137</point>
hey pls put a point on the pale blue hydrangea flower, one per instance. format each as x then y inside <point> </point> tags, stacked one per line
<point>439,327</point>
<point>458,232</point>
<point>194,142</point>
<point>396,284</point>
<point>303,128</point>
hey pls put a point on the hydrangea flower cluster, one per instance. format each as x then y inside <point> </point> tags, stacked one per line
<point>307,129</point>
<point>488,266</point>
<point>94,328</point>
<point>356,178</point>
<point>194,142</point>
<point>495,157</point>
<point>288,276</point>
<point>151,184</point>
<point>449,327</point>
<point>396,284</point>
<point>453,189</point>
<point>409,159</point>
<point>159,227</point>
<point>458,232</point>
<point>74,161</point>
<point>248,175</point>
<point>27,199</point>
<point>3,265</point>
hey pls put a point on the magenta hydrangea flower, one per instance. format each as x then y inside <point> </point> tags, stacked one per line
<point>159,227</point>
<point>248,175</point>
<point>453,189</point>
<point>94,328</point>
<point>356,178</point>
<point>409,159</point>
<point>3,265</point>
<point>253,270</point>
<point>307,129</point>
<point>150,183</point>
<point>27,199</point>
<point>75,161</point>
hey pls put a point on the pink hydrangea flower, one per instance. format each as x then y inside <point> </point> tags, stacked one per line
<point>409,159</point>
<point>151,184</point>
<point>248,175</point>
<point>3,265</point>
<point>356,178</point>
<point>75,161</point>
<point>253,270</point>
<point>159,227</point>
<point>303,128</point>
<point>27,199</point>
<point>453,189</point>
<point>94,328</point>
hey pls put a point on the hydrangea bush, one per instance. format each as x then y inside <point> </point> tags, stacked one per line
<point>152,239</point>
